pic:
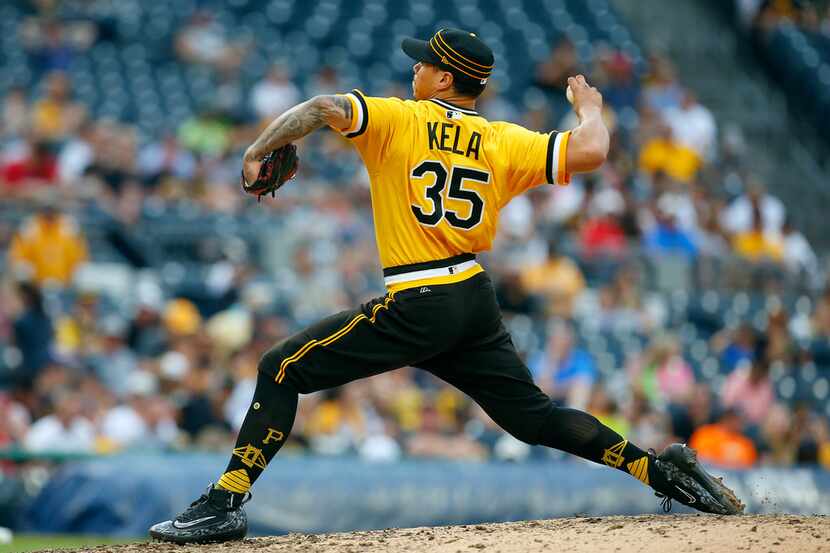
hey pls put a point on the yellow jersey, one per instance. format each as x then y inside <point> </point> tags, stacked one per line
<point>439,174</point>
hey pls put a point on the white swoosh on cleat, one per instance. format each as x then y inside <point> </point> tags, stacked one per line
<point>183,525</point>
<point>689,496</point>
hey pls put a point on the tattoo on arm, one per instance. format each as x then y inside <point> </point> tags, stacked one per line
<point>345,106</point>
<point>298,122</point>
<point>291,125</point>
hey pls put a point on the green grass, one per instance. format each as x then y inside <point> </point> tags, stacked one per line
<point>37,542</point>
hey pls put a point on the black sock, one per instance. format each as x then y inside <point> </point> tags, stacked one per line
<point>266,427</point>
<point>581,434</point>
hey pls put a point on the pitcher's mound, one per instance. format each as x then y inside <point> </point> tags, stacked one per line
<point>648,533</point>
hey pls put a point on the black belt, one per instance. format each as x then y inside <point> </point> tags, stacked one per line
<point>437,264</point>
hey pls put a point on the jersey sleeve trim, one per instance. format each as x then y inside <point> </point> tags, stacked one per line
<point>360,116</point>
<point>555,166</point>
<point>354,124</point>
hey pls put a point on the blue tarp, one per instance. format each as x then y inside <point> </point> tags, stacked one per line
<point>124,495</point>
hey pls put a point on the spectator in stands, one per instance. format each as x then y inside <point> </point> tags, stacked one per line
<point>67,430</point>
<point>777,438</point>
<point>748,390</point>
<point>316,286</point>
<point>336,424</point>
<point>561,63</point>
<point>206,134</point>
<point>492,104</point>
<point>114,159</point>
<point>648,426</point>
<point>710,237</point>
<point>773,12</point>
<point>821,439</point>
<point>77,154</point>
<point>16,114</point>
<point>36,168</point>
<point>49,247</point>
<point>695,412</point>
<point>326,81</point>
<point>601,234</point>
<point>32,333</point>
<point>812,436</point>
<point>663,152</point>
<point>724,444</point>
<point>244,375</point>
<point>164,159</point>
<point>56,117</point>
<point>562,369</point>
<point>200,412</point>
<point>621,91</point>
<point>780,346</point>
<point>557,279</point>
<point>713,245</point>
<point>662,375</point>
<point>666,237</point>
<point>734,346</point>
<point>630,215</point>
<point>16,421</point>
<point>693,126</point>
<point>146,335</point>
<point>512,296</point>
<point>438,436</point>
<point>678,200</point>
<point>114,362</point>
<point>552,76</point>
<point>661,91</point>
<point>740,214</point>
<point>756,244</point>
<point>604,408</point>
<point>143,421</point>
<point>182,320</point>
<point>619,306</point>
<point>819,330</point>
<point>46,41</point>
<point>76,332</point>
<point>204,40</point>
<point>799,257</point>
<point>646,310</point>
<point>274,94</point>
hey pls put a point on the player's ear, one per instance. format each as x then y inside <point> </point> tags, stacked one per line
<point>447,80</point>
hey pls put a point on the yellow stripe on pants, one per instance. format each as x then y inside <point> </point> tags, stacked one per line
<point>311,344</point>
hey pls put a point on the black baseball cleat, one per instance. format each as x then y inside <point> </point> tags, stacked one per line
<point>676,474</point>
<point>217,516</point>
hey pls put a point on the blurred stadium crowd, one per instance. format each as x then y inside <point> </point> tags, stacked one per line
<point>670,294</point>
<point>793,38</point>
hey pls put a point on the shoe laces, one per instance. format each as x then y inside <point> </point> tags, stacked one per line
<point>666,499</point>
<point>202,498</point>
<point>665,503</point>
<point>205,498</point>
<point>195,508</point>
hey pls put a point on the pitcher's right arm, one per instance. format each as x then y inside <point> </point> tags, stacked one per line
<point>588,142</point>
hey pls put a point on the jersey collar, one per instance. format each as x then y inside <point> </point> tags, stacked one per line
<point>448,105</point>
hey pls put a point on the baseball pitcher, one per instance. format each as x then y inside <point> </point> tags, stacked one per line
<point>440,172</point>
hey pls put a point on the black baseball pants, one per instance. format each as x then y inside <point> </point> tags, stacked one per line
<point>455,331</point>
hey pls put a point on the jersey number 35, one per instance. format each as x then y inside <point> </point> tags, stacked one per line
<point>435,195</point>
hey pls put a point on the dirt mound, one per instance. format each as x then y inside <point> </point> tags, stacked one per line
<point>675,533</point>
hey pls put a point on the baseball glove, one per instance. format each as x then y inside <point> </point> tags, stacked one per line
<point>277,167</point>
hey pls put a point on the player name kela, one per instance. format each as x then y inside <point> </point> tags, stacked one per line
<point>439,139</point>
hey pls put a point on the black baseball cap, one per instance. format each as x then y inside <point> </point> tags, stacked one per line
<point>454,50</point>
